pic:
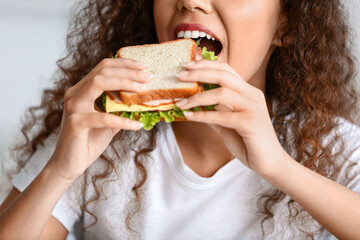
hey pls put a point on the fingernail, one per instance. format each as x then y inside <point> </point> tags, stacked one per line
<point>188,113</point>
<point>138,86</point>
<point>146,76</point>
<point>189,64</point>
<point>182,103</point>
<point>183,74</point>
<point>137,125</point>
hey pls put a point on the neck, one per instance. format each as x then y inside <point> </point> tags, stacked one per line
<point>202,148</point>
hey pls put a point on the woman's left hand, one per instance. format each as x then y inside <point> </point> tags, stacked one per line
<point>241,116</point>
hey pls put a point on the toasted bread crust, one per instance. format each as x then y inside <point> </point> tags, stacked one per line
<point>145,96</point>
<point>141,97</point>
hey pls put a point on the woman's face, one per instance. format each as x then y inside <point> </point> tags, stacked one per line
<point>246,29</point>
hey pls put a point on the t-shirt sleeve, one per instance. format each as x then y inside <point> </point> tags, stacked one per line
<point>67,211</point>
<point>351,169</point>
<point>354,183</point>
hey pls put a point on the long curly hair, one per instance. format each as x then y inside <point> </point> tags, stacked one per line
<point>310,78</point>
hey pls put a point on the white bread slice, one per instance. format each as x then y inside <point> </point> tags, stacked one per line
<point>165,61</point>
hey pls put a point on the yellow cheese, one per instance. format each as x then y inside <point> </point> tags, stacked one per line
<point>113,106</point>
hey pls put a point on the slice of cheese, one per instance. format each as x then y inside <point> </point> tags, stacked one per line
<point>113,105</point>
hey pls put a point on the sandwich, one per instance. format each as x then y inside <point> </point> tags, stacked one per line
<point>157,101</point>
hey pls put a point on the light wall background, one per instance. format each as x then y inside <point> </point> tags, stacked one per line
<point>32,38</point>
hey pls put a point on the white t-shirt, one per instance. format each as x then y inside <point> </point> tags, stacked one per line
<point>177,203</point>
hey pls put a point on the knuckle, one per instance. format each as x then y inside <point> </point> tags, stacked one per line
<point>126,73</point>
<point>104,119</point>
<point>105,62</point>
<point>69,106</point>
<point>68,93</point>
<point>96,81</point>
<point>260,95</point>
<point>104,71</point>
<point>223,92</point>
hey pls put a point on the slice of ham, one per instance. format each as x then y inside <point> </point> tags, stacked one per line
<point>156,103</point>
<point>115,96</point>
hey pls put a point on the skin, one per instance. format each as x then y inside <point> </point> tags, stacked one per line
<point>241,125</point>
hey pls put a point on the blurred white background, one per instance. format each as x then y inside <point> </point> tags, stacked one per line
<point>32,39</point>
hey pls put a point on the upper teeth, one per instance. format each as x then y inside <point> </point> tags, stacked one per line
<point>193,34</point>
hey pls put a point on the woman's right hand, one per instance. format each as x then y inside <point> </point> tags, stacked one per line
<point>85,133</point>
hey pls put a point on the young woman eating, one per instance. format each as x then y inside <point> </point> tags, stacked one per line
<point>278,159</point>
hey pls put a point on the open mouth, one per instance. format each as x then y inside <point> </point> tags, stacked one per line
<point>206,40</point>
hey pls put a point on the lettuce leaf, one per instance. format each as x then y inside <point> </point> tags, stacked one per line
<point>208,55</point>
<point>103,99</point>
<point>150,118</point>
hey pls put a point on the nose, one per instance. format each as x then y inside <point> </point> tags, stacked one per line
<point>194,5</point>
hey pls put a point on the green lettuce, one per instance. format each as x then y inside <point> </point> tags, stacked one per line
<point>151,118</point>
<point>208,55</point>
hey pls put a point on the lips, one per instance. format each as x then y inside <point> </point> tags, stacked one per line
<point>212,45</point>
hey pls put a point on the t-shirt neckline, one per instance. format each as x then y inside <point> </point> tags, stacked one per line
<point>185,173</point>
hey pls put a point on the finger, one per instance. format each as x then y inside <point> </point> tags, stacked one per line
<point>225,119</point>
<point>105,120</point>
<point>84,99</point>
<point>100,84</point>
<point>223,96</point>
<point>210,64</point>
<point>112,73</point>
<point>215,76</point>
<point>121,63</point>
<point>115,67</point>
<point>135,75</point>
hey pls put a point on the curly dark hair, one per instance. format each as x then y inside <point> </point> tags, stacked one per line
<point>310,78</point>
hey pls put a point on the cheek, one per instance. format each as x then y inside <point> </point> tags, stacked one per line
<point>247,54</point>
<point>162,17</point>
<point>252,37</point>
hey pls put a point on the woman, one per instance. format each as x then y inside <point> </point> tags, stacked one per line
<point>284,111</point>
